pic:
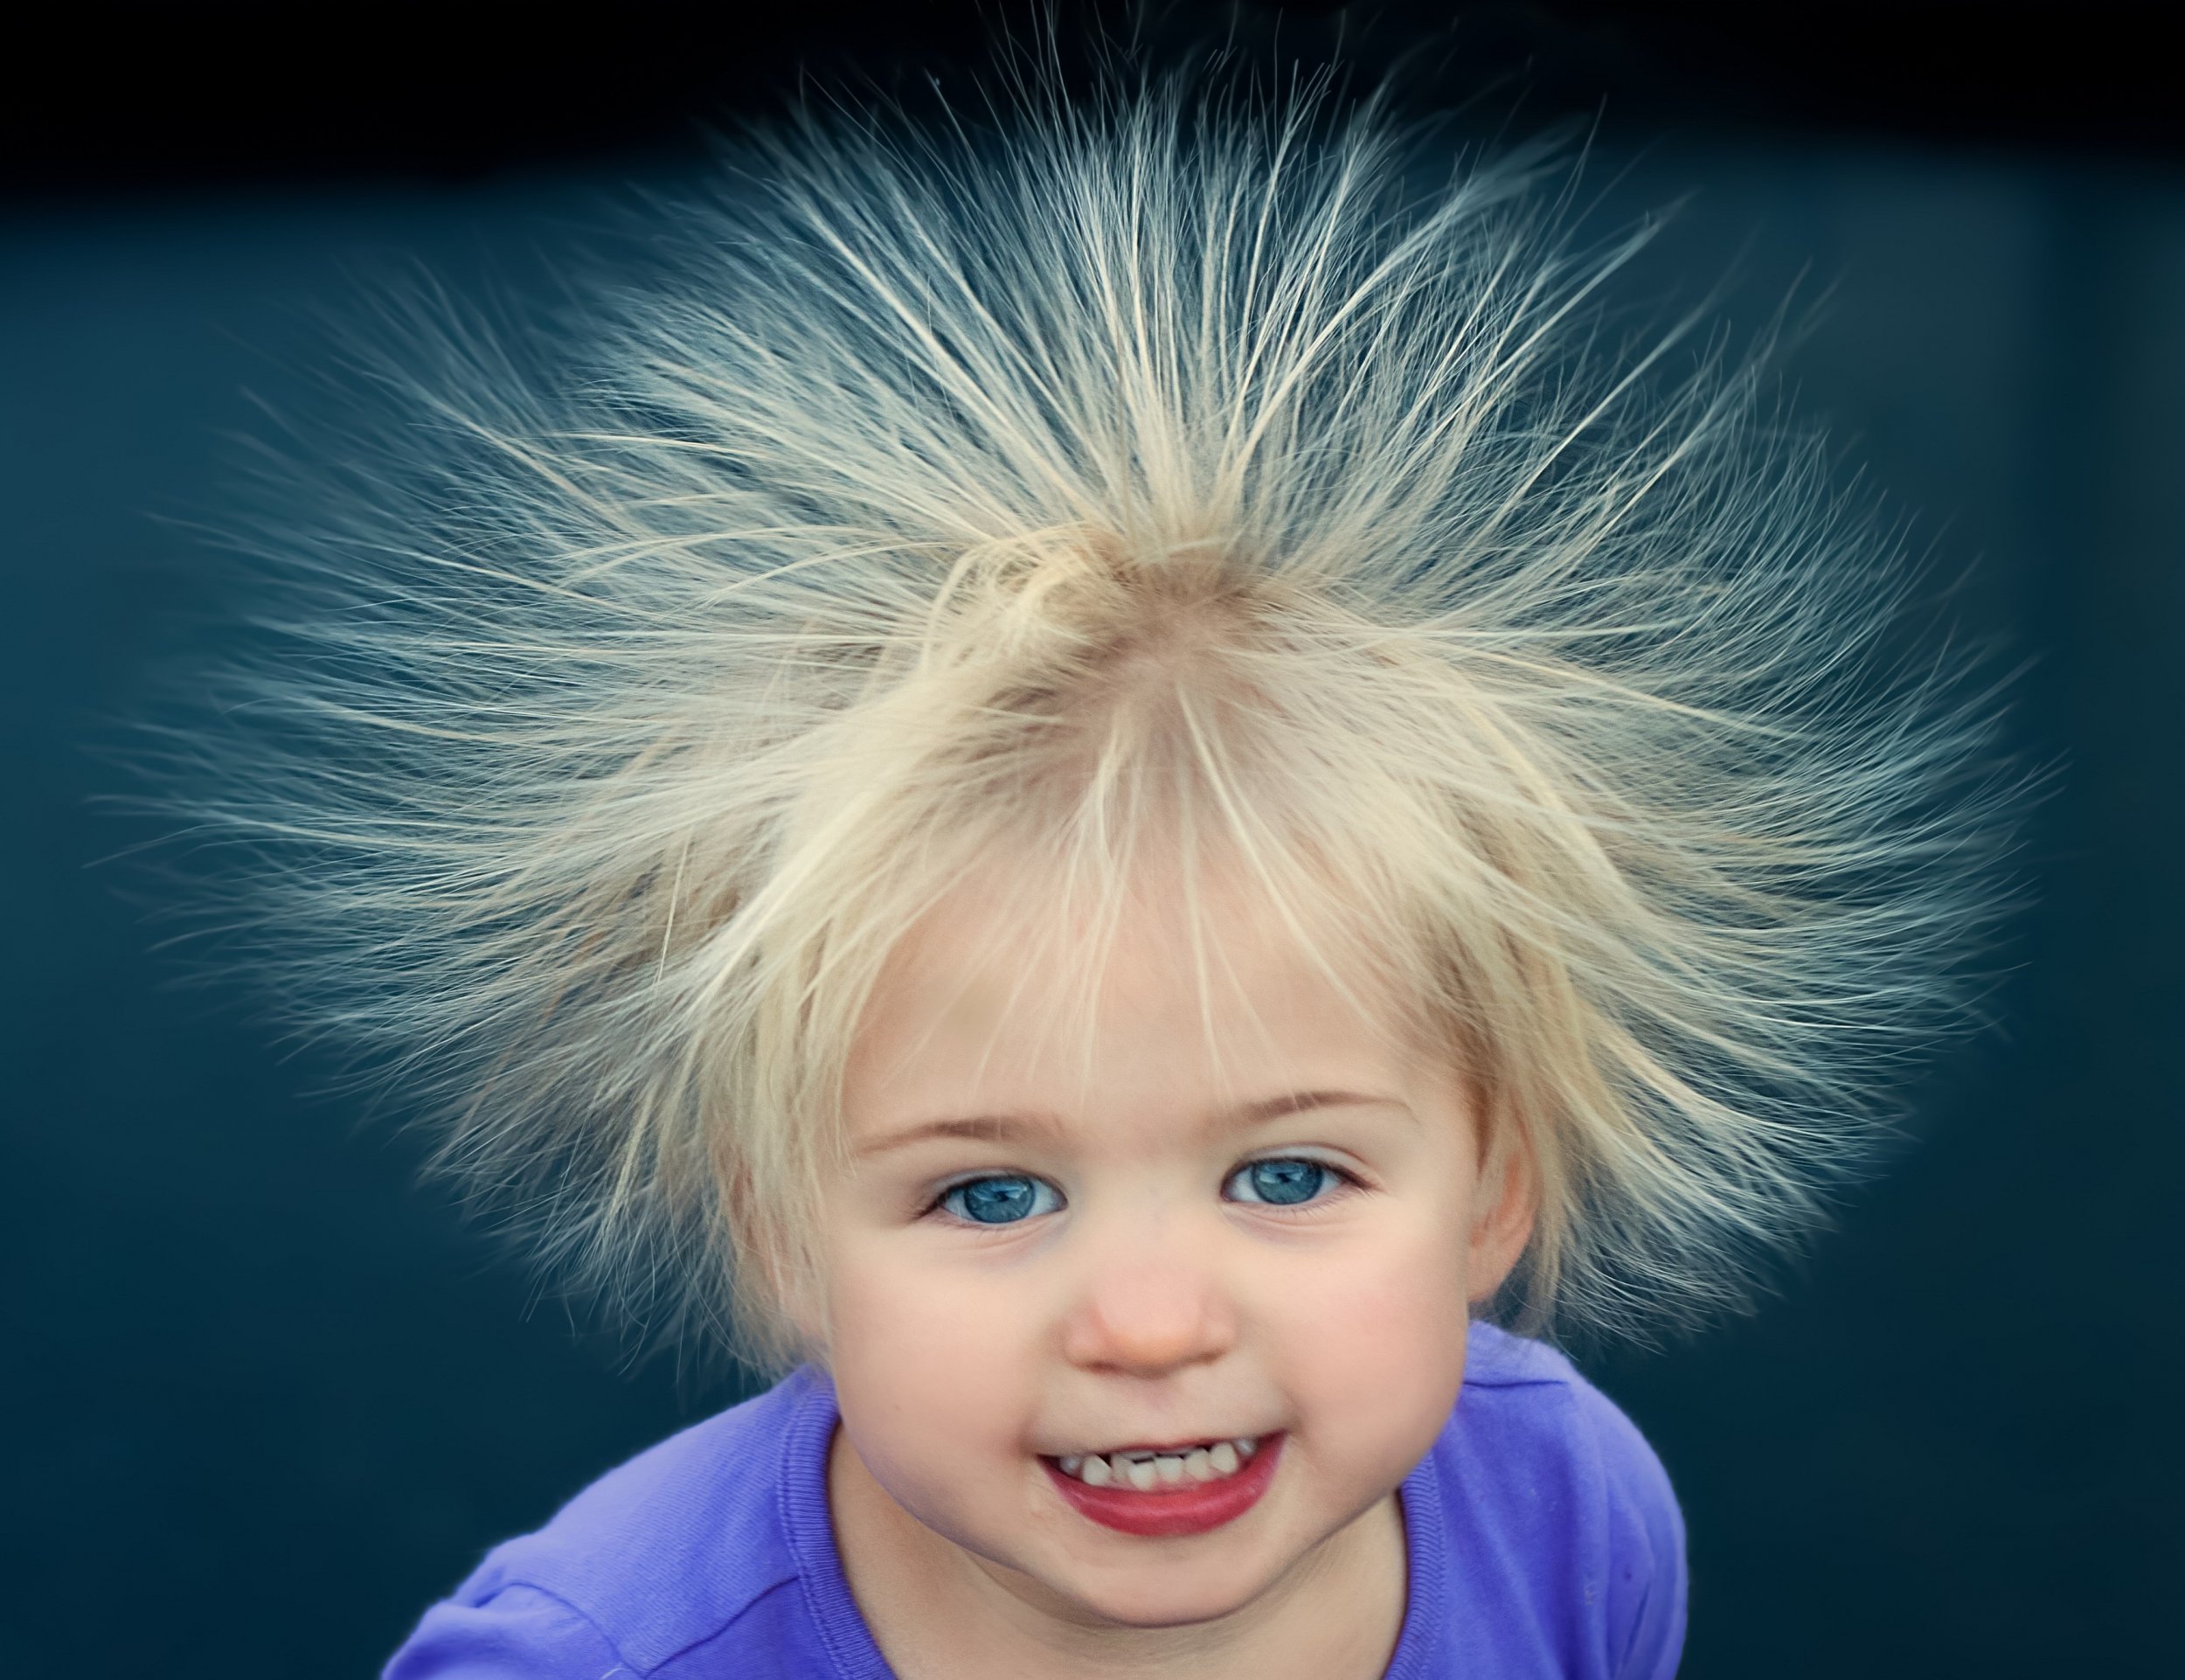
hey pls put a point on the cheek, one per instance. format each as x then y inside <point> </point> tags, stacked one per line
<point>1375,1345</point>
<point>928,1366</point>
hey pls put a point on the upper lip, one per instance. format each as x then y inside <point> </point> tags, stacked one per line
<point>1184,1444</point>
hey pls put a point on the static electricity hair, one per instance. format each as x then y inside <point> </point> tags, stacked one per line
<point>1159,482</point>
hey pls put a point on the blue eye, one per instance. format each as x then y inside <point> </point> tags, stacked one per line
<point>1000,1200</point>
<point>1287,1181</point>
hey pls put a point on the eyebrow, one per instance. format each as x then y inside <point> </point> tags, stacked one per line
<point>1010,1129</point>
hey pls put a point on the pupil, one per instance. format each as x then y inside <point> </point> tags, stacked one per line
<point>997,1201</point>
<point>1287,1181</point>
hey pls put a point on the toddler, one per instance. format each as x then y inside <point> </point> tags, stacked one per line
<point>1113,790</point>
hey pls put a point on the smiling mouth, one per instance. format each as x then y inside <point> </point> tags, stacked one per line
<point>1149,1469</point>
<point>1165,1493</point>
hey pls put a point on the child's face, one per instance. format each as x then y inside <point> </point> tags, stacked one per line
<point>1256,1218</point>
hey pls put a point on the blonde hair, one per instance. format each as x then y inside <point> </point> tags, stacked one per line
<point>1160,467</point>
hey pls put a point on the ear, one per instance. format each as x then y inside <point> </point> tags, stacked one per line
<point>798,1299</point>
<point>803,1311</point>
<point>1505,1206</point>
<point>785,1293</point>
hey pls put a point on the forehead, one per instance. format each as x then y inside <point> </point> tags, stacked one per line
<point>1174,1000</point>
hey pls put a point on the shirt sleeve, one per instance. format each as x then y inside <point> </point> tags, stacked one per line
<point>1647,1584</point>
<point>519,1633</point>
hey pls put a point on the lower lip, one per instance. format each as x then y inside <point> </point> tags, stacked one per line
<point>1168,1510</point>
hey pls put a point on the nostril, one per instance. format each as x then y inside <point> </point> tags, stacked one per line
<point>1148,1303</point>
<point>1142,1342</point>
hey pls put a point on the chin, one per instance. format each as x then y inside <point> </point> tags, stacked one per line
<point>1163,1591</point>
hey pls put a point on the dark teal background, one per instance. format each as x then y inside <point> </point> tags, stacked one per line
<point>265,1399</point>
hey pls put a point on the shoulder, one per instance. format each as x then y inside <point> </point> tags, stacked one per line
<point>1551,1489</point>
<point>1529,1393</point>
<point>661,1556</point>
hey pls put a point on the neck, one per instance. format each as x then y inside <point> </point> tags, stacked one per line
<point>939,1612</point>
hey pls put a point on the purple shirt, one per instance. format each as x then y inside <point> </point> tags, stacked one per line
<point>1544,1541</point>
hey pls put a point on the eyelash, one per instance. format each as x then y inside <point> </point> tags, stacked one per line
<point>940,1204</point>
<point>1343,1180</point>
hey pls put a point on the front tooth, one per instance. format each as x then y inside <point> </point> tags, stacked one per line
<point>1246,1446</point>
<point>1141,1474</point>
<point>1171,1470</point>
<point>1223,1458</point>
<point>1198,1466</point>
<point>1096,1473</point>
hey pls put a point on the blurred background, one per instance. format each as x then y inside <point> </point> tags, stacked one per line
<point>265,1397</point>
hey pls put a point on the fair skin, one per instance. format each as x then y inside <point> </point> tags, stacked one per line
<point>1242,1210</point>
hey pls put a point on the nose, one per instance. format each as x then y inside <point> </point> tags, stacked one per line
<point>1149,1302</point>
